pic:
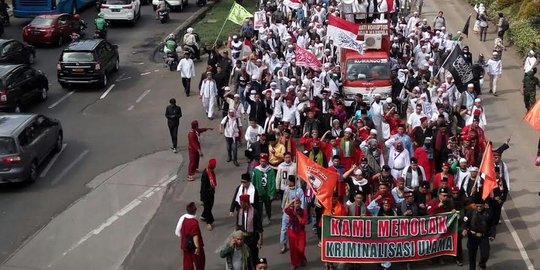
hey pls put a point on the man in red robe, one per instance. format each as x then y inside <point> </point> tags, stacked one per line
<point>192,243</point>
<point>194,148</point>
<point>424,155</point>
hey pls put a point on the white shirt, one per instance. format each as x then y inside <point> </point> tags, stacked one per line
<point>186,68</point>
<point>252,133</point>
<point>530,63</point>
<point>414,120</point>
<point>232,128</point>
<point>494,67</point>
<point>208,89</point>
<point>291,115</point>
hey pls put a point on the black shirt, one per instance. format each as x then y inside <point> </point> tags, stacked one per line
<point>173,114</point>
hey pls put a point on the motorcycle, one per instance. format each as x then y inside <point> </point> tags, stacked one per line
<point>191,50</point>
<point>163,16</point>
<point>171,60</point>
<point>100,34</point>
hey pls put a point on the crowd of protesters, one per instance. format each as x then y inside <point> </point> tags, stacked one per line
<point>416,152</point>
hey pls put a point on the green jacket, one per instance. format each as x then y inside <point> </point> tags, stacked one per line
<point>270,190</point>
<point>171,45</point>
<point>530,82</point>
<point>227,252</point>
<point>100,23</point>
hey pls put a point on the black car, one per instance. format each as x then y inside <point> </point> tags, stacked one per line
<point>20,85</point>
<point>15,52</point>
<point>87,61</point>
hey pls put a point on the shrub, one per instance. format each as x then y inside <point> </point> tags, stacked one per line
<point>522,34</point>
<point>528,9</point>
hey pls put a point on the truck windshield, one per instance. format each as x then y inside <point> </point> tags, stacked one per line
<point>378,69</point>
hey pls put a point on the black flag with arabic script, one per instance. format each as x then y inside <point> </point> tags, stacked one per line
<point>466,27</point>
<point>460,69</point>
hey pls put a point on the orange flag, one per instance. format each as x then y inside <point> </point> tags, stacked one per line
<point>533,116</point>
<point>320,179</point>
<point>487,168</point>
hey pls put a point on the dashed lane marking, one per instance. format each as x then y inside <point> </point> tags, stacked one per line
<point>107,91</point>
<point>122,212</point>
<point>53,160</point>
<point>142,95</point>
<point>61,99</point>
<point>68,168</point>
<point>519,244</point>
<point>146,73</point>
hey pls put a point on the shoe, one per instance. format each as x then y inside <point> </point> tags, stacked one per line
<point>236,163</point>
<point>537,161</point>
<point>172,148</point>
<point>228,160</point>
<point>210,118</point>
<point>209,227</point>
<point>490,91</point>
<point>190,178</point>
<point>495,94</point>
<point>197,171</point>
<point>459,263</point>
<point>319,244</point>
<point>175,150</point>
<point>283,250</point>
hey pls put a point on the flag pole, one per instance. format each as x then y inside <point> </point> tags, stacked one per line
<point>223,26</point>
<point>446,59</point>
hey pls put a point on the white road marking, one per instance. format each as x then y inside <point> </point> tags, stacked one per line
<point>519,244</point>
<point>123,79</point>
<point>69,167</point>
<point>131,107</point>
<point>121,76</point>
<point>142,95</point>
<point>140,63</point>
<point>126,209</point>
<point>156,70</point>
<point>146,73</point>
<point>107,91</point>
<point>61,99</point>
<point>53,160</point>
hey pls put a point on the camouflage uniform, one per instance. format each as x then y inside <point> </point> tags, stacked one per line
<point>530,82</point>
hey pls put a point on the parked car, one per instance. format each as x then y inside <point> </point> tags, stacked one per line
<point>50,29</point>
<point>87,61</point>
<point>15,52</point>
<point>172,4</point>
<point>21,85</point>
<point>26,140</point>
<point>121,10</point>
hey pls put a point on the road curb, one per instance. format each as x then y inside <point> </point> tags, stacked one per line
<point>181,28</point>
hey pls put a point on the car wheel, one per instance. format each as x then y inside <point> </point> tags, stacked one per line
<point>31,59</point>
<point>18,107</point>
<point>116,65</point>
<point>60,41</point>
<point>33,174</point>
<point>104,81</point>
<point>59,142</point>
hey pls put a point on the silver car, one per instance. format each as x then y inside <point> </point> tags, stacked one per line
<point>26,140</point>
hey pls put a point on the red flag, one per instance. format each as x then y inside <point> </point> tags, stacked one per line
<point>305,58</point>
<point>341,24</point>
<point>293,4</point>
<point>487,168</point>
<point>533,116</point>
<point>320,179</point>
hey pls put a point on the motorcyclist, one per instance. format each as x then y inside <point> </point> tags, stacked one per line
<point>161,6</point>
<point>79,24</point>
<point>101,24</point>
<point>190,39</point>
<point>170,46</point>
<point>4,11</point>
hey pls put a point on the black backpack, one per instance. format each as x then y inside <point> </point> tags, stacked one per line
<point>505,25</point>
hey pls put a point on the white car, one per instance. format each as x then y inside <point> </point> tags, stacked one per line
<point>121,10</point>
<point>172,4</point>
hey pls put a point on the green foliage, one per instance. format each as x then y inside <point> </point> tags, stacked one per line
<point>528,9</point>
<point>522,34</point>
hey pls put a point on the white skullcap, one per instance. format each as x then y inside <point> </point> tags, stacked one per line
<point>531,52</point>
<point>443,28</point>
<point>458,32</point>
<point>373,131</point>
<point>293,80</point>
<point>253,92</point>
<point>348,130</point>
<point>462,160</point>
<point>470,85</point>
<point>377,95</point>
<point>423,95</point>
<point>357,172</point>
<point>273,83</point>
<point>236,95</point>
<point>431,60</point>
<point>477,100</point>
<point>416,88</point>
<point>425,20</point>
<point>227,88</point>
<point>388,100</point>
<point>254,77</point>
<point>473,169</point>
<point>278,91</point>
<point>495,53</point>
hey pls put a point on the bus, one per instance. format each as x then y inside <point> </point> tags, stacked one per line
<point>32,8</point>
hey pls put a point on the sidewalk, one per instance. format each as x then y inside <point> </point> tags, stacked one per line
<point>99,230</point>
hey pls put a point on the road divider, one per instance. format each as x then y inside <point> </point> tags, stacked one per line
<point>107,91</point>
<point>61,99</point>
<point>52,161</point>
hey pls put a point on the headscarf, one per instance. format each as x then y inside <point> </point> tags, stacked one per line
<point>194,124</point>
<point>210,172</point>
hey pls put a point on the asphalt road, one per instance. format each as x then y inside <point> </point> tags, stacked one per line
<point>516,245</point>
<point>101,130</point>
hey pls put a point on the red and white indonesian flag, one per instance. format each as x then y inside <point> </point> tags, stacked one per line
<point>344,33</point>
<point>305,58</point>
<point>293,4</point>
